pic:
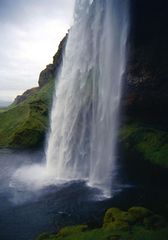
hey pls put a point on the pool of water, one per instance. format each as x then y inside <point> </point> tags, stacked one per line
<point>27,210</point>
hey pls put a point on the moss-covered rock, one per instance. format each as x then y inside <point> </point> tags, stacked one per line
<point>111,215</point>
<point>154,222</point>
<point>139,213</point>
<point>147,141</point>
<point>116,215</point>
<point>44,236</point>
<point>116,226</point>
<point>72,230</point>
<point>115,219</point>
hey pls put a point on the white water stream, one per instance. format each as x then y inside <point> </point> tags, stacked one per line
<point>85,113</point>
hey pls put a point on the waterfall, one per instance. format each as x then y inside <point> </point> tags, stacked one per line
<point>85,112</point>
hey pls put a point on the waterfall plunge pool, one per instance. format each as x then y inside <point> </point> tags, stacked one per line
<point>28,209</point>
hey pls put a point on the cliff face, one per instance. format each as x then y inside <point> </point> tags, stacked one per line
<point>144,133</point>
<point>52,69</point>
<point>147,73</point>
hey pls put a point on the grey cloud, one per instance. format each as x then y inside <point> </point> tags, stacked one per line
<point>30,33</point>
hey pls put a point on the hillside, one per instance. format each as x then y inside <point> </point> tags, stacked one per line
<point>24,123</point>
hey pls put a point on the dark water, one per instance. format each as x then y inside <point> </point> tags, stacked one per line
<point>25,213</point>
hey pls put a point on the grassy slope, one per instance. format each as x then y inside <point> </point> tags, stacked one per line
<point>24,125</point>
<point>136,224</point>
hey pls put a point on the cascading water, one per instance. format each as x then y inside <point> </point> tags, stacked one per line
<point>85,113</point>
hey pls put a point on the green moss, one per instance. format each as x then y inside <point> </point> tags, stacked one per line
<point>144,228</point>
<point>140,233</point>
<point>71,230</point>
<point>137,233</point>
<point>118,225</point>
<point>115,217</point>
<point>154,221</point>
<point>96,234</point>
<point>139,213</point>
<point>111,215</point>
<point>151,143</point>
<point>115,214</point>
<point>44,236</point>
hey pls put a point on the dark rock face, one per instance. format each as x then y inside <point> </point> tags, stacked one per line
<point>145,98</point>
<point>146,93</point>
<point>46,75</point>
<point>25,95</point>
<point>52,69</point>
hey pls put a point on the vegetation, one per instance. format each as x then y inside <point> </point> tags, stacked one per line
<point>149,142</point>
<point>137,223</point>
<point>24,125</point>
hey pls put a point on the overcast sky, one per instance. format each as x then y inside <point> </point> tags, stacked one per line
<point>30,33</point>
